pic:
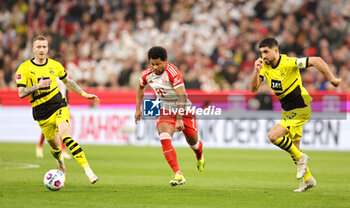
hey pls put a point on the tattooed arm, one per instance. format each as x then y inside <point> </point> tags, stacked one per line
<point>75,88</point>
<point>23,91</point>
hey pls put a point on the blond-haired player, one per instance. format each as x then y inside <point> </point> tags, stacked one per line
<point>36,78</point>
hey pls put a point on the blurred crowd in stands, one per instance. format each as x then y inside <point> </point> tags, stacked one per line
<point>104,43</point>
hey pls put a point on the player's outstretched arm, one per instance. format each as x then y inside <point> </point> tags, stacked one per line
<point>75,88</point>
<point>140,91</point>
<point>23,91</point>
<point>319,63</point>
<point>255,82</point>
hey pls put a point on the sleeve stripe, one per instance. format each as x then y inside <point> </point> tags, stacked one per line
<point>178,86</point>
<point>172,70</point>
<point>21,85</point>
<point>307,62</point>
<point>141,83</point>
<point>147,71</point>
<point>63,76</point>
<point>144,75</point>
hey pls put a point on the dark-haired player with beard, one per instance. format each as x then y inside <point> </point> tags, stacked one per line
<point>282,75</point>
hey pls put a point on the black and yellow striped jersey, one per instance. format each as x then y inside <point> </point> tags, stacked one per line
<point>45,101</point>
<point>285,81</point>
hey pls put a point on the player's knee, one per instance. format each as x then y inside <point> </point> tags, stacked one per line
<point>192,140</point>
<point>164,135</point>
<point>272,137</point>
<point>56,146</point>
<point>64,132</point>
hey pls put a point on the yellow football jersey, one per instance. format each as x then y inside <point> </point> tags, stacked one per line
<point>45,101</point>
<point>286,83</point>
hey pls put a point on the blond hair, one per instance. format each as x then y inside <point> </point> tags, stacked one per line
<point>39,37</point>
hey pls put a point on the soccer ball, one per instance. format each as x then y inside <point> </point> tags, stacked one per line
<point>54,179</point>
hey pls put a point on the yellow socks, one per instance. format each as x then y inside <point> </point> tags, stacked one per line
<point>76,151</point>
<point>57,154</point>
<point>286,144</point>
<point>307,175</point>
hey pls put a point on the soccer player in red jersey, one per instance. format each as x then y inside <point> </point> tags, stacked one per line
<point>167,82</point>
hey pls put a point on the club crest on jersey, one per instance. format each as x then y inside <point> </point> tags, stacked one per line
<point>18,77</point>
<point>151,107</point>
<point>276,85</point>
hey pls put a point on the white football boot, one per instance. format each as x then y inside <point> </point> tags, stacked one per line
<point>305,185</point>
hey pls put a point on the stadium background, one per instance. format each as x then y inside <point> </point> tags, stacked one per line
<point>103,45</point>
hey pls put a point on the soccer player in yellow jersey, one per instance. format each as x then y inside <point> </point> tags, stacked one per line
<point>36,78</point>
<point>282,75</point>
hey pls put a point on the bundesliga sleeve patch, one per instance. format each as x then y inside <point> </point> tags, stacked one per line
<point>301,62</point>
<point>18,77</point>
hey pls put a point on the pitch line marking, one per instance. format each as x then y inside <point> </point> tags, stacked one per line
<point>17,165</point>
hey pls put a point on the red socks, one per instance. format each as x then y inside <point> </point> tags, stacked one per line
<point>198,149</point>
<point>40,144</point>
<point>169,152</point>
<point>63,145</point>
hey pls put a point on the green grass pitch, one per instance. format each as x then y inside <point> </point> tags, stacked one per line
<point>139,176</point>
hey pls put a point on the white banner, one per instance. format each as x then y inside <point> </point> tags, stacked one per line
<point>116,126</point>
<point>317,134</point>
<point>88,125</point>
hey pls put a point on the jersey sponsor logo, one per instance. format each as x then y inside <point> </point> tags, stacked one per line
<point>164,80</point>
<point>44,88</point>
<point>276,85</point>
<point>18,77</point>
<point>150,81</point>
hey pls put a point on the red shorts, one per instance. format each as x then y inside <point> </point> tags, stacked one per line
<point>190,122</point>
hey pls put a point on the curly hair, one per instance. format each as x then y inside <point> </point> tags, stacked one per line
<point>157,52</point>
